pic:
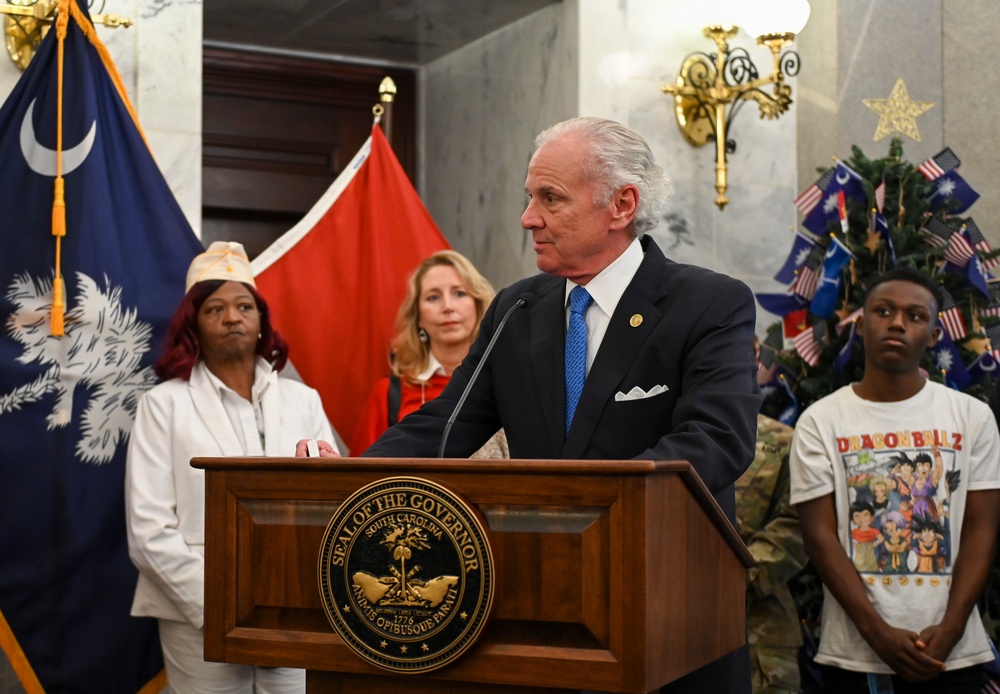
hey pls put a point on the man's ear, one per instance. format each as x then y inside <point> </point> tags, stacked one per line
<point>936,335</point>
<point>624,203</point>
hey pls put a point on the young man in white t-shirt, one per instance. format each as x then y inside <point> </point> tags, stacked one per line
<point>899,612</point>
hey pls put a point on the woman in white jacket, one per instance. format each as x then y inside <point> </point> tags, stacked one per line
<point>221,396</point>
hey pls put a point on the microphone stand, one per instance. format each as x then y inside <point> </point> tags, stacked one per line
<point>521,301</point>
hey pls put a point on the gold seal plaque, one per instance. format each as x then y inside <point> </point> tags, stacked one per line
<point>406,574</point>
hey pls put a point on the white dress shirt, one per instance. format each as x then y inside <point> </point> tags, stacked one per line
<point>606,289</point>
<point>245,415</point>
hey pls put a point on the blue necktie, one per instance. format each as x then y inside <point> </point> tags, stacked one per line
<point>576,350</point>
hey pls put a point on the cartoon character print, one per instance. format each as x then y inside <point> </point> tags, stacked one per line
<point>863,536</point>
<point>925,486</point>
<point>896,543</point>
<point>898,510</point>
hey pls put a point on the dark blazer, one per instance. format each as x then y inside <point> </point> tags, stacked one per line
<point>695,337</point>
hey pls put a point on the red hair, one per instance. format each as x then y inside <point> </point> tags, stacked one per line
<point>182,349</point>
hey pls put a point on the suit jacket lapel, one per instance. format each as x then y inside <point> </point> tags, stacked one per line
<point>548,339</point>
<point>619,348</point>
<point>209,406</point>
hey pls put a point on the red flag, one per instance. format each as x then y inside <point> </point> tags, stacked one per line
<point>842,210</point>
<point>792,324</point>
<point>335,281</point>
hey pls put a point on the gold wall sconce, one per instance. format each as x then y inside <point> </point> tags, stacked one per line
<point>27,22</point>
<point>712,87</point>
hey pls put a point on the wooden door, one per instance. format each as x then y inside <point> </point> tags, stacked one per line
<point>278,130</point>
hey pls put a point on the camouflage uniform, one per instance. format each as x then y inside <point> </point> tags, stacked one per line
<point>769,526</point>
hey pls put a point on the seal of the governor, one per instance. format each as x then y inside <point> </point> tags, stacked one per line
<point>406,574</point>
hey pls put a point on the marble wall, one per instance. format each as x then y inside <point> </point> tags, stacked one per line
<point>968,100</point>
<point>482,107</point>
<point>593,57</point>
<point>159,59</point>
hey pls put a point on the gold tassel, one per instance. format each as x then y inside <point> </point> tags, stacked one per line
<point>58,325</point>
<point>59,209</point>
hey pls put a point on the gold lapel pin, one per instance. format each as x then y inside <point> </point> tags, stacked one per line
<point>635,321</point>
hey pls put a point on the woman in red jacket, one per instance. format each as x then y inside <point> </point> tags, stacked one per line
<point>436,325</point>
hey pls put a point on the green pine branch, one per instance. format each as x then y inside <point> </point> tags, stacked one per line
<point>907,211</point>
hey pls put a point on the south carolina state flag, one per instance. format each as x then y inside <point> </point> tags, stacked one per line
<point>67,403</point>
<point>335,281</point>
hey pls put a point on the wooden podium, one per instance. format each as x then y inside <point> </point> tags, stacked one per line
<point>615,576</point>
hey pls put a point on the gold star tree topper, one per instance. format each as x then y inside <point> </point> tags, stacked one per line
<point>898,113</point>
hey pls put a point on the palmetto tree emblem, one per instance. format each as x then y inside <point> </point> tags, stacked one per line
<point>402,541</point>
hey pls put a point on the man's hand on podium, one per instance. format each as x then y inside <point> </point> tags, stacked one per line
<point>311,448</point>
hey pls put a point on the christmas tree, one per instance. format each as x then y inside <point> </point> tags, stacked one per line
<point>867,217</point>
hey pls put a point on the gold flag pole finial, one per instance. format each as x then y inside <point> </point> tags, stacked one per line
<point>387,90</point>
<point>386,97</point>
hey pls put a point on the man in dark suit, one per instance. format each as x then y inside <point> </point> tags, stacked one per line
<point>667,370</point>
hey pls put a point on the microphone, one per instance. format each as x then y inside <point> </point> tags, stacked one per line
<point>522,300</point>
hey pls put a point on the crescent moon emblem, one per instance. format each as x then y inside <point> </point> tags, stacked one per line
<point>41,159</point>
<point>843,180</point>
<point>988,365</point>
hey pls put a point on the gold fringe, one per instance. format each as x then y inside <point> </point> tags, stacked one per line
<point>18,661</point>
<point>155,685</point>
<point>88,30</point>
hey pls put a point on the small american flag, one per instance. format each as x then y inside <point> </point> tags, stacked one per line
<point>993,308</point>
<point>939,164</point>
<point>806,283</point>
<point>765,363</point>
<point>935,232</point>
<point>808,199</point>
<point>951,316</point>
<point>980,243</point>
<point>993,332</point>
<point>850,319</point>
<point>880,195</point>
<point>807,277</point>
<point>959,250</point>
<point>991,686</point>
<point>809,343</point>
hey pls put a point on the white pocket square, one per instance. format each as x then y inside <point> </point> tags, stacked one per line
<point>638,393</point>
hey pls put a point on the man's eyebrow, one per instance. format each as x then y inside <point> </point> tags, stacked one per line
<point>908,307</point>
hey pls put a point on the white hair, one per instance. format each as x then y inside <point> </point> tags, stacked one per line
<point>619,156</point>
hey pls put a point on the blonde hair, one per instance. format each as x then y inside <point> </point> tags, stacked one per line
<point>410,355</point>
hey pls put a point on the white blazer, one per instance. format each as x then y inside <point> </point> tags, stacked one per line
<point>165,496</point>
